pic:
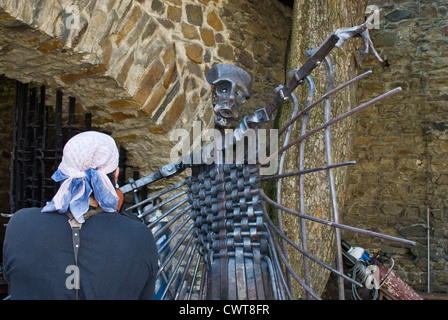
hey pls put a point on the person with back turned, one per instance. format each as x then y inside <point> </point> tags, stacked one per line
<point>78,246</point>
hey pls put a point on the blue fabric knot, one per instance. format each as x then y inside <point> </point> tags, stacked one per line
<point>76,193</point>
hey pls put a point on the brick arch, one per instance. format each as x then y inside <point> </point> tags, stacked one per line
<point>139,65</point>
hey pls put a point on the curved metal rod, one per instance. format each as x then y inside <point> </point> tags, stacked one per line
<point>171,254</point>
<point>329,158</point>
<point>277,267</point>
<point>305,253</point>
<point>331,122</point>
<point>173,235</point>
<point>187,266</point>
<point>161,204</point>
<point>159,232</point>
<point>195,274</point>
<point>301,184</point>
<point>176,268</point>
<point>336,225</point>
<point>306,171</point>
<point>167,213</point>
<point>143,202</point>
<point>288,266</point>
<point>280,171</point>
<point>323,98</point>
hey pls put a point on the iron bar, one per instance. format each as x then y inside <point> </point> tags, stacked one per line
<point>173,250</point>
<point>305,253</point>
<point>301,183</point>
<point>71,116</point>
<point>195,273</point>
<point>187,266</point>
<point>333,121</point>
<point>157,195</point>
<point>58,131</point>
<point>166,226</point>
<point>173,234</point>
<point>277,267</point>
<point>280,171</point>
<point>337,225</point>
<point>304,71</point>
<point>288,266</point>
<point>329,157</point>
<point>161,204</point>
<point>323,98</point>
<point>167,213</point>
<point>306,171</point>
<point>175,271</point>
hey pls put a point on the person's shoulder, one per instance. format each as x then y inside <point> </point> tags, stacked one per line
<point>25,213</point>
<point>128,222</point>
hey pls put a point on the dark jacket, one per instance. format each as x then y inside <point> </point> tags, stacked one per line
<point>117,259</point>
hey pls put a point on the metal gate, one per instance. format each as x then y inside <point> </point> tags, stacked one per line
<point>39,131</point>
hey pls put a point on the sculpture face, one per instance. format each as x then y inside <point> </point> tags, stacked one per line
<point>227,98</point>
<point>232,86</point>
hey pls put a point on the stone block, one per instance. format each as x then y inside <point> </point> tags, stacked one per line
<point>70,78</point>
<point>190,32</point>
<point>174,14</point>
<point>120,116</point>
<point>171,116</point>
<point>153,76</point>
<point>214,21</point>
<point>207,36</point>
<point>155,101</point>
<point>225,51</point>
<point>194,14</point>
<point>194,52</point>
<point>130,24</point>
<point>398,15</point>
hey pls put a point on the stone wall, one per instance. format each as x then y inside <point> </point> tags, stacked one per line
<point>401,145</point>
<point>139,65</point>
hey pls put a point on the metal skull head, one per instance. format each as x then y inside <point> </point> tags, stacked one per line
<point>232,86</point>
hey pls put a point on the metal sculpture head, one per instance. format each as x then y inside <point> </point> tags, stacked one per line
<point>232,86</point>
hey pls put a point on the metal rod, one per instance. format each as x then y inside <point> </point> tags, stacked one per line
<point>174,219</point>
<point>167,213</point>
<point>337,225</point>
<point>173,235</point>
<point>306,171</point>
<point>175,271</point>
<point>301,183</point>
<point>161,204</point>
<point>333,121</point>
<point>329,156</point>
<point>277,267</point>
<point>173,251</point>
<point>288,266</point>
<point>280,171</point>
<point>195,273</point>
<point>157,195</point>
<point>305,253</point>
<point>187,266</point>
<point>323,98</point>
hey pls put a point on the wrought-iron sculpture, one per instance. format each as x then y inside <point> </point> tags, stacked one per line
<point>215,236</point>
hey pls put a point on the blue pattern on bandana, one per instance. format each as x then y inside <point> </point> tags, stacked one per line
<point>77,198</point>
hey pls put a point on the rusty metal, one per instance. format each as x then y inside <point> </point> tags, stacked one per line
<point>223,243</point>
<point>393,287</point>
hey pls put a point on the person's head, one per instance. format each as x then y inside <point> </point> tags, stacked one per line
<point>89,166</point>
